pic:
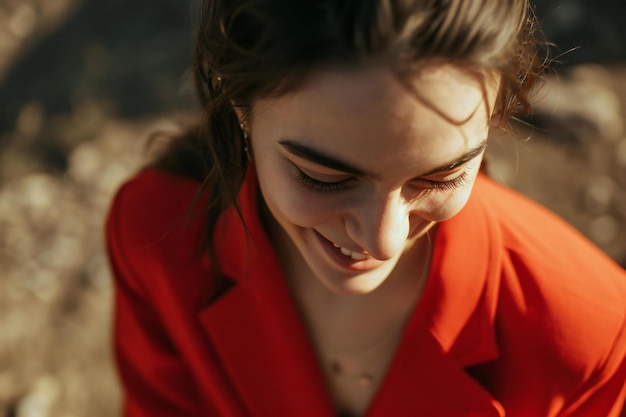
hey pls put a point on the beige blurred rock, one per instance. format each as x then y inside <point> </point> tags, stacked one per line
<point>30,120</point>
<point>15,161</point>
<point>7,387</point>
<point>604,229</point>
<point>53,11</point>
<point>23,21</point>
<point>599,194</point>
<point>40,400</point>
<point>620,153</point>
<point>585,94</point>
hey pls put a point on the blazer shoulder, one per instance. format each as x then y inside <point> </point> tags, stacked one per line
<point>539,237</point>
<point>154,232</point>
<point>556,281</point>
<point>149,207</point>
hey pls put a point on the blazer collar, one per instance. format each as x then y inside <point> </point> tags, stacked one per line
<point>460,299</point>
<point>255,328</point>
<point>256,322</point>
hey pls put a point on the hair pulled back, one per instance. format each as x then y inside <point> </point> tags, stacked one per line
<point>251,49</point>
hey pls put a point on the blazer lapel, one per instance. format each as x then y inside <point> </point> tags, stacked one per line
<point>424,381</point>
<point>255,329</point>
<point>261,343</point>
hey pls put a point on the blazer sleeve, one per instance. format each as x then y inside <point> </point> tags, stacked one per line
<point>154,377</point>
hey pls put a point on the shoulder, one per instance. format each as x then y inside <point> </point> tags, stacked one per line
<point>154,229</point>
<point>542,248</point>
<point>564,294</point>
<point>149,207</point>
<point>153,196</point>
<point>536,236</point>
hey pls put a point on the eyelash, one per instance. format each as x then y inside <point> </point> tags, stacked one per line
<point>449,185</point>
<point>331,187</point>
<point>321,186</point>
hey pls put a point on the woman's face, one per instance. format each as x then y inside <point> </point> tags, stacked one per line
<point>354,168</point>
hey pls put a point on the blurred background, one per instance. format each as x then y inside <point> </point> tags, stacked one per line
<point>84,82</point>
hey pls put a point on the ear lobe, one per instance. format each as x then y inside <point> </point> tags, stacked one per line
<point>242,118</point>
<point>245,132</point>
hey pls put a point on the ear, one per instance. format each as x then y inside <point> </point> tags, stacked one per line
<point>242,118</point>
<point>239,113</point>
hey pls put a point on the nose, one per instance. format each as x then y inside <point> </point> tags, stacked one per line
<point>380,224</point>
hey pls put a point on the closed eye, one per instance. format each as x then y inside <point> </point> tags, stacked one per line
<point>447,185</point>
<point>322,186</point>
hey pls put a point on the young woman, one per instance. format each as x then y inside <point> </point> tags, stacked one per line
<point>328,244</point>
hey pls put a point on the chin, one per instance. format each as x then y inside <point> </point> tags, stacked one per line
<point>356,285</point>
<point>351,288</point>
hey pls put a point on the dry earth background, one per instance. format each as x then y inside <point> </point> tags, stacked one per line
<point>83,82</point>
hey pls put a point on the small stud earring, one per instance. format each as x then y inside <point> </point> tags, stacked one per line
<point>244,131</point>
<point>217,84</point>
<point>246,146</point>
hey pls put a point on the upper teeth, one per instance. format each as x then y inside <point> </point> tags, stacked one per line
<point>354,255</point>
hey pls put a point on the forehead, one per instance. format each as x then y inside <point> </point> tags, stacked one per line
<point>364,112</point>
<point>447,90</point>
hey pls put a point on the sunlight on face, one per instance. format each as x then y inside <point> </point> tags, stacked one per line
<point>355,167</point>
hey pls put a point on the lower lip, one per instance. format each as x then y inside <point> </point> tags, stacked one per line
<point>346,262</point>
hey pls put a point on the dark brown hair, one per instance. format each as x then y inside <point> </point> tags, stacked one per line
<point>251,49</point>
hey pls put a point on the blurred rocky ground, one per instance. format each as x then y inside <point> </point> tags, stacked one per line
<point>84,83</point>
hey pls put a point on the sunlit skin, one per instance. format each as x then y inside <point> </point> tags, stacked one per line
<point>355,159</point>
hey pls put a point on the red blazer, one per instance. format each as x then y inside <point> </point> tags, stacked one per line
<point>520,317</point>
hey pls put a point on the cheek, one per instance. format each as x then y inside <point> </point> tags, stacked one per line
<point>291,204</point>
<point>288,201</point>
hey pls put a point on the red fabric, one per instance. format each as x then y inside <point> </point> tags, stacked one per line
<point>520,317</point>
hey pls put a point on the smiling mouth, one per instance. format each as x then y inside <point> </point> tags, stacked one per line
<point>354,255</point>
<point>347,260</point>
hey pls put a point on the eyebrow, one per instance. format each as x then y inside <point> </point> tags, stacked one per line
<point>471,154</point>
<point>320,158</point>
